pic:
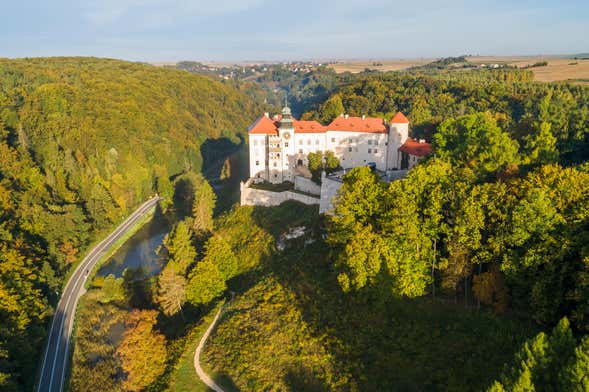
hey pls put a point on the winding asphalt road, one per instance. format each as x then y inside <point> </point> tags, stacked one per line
<point>54,365</point>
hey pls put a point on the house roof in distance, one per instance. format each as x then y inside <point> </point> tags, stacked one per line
<point>358,124</point>
<point>399,118</point>
<point>416,147</point>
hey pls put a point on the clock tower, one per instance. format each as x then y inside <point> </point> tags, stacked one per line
<point>286,134</point>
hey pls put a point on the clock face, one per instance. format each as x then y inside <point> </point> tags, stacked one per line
<point>286,135</point>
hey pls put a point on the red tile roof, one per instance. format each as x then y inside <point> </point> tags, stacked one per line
<point>414,147</point>
<point>308,127</point>
<point>357,124</point>
<point>269,126</point>
<point>263,126</point>
<point>399,118</point>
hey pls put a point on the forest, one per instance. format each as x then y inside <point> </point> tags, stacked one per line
<point>83,141</point>
<point>472,273</point>
<point>484,246</point>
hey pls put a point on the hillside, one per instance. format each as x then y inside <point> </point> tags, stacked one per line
<point>82,142</point>
<point>290,327</point>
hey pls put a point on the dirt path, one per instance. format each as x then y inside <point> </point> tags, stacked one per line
<point>201,373</point>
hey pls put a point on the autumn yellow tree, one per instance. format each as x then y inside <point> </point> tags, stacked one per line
<point>171,291</point>
<point>142,350</point>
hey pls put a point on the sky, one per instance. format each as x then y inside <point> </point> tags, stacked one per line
<point>270,30</point>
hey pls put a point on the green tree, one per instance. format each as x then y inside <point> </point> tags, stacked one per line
<point>181,251</point>
<point>541,147</point>
<point>219,252</point>
<point>575,376</point>
<point>205,283</point>
<point>331,108</point>
<point>545,363</point>
<point>202,209</point>
<point>113,289</point>
<point>164,187</point>
<point>475,141</point>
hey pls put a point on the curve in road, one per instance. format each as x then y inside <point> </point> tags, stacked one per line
<point>54,365</point>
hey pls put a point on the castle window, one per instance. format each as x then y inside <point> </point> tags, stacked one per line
<point>333,140</point>
<point>275,165</point>
<point>317,141</point>
<point>300,150</point>
<point>309,142</point>
<point>369,150</point>
<point>285,144</point>
<point>301,141</point>
<point>376,142</point>
<point>351,141</point>
<point>257,163</point>
<point>375,151</point>
<point>369,143</point>
<point>349,149</point>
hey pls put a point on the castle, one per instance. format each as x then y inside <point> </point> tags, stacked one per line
<point>279,145</point>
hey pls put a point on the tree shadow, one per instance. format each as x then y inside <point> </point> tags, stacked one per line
<point>301,378</point>
<point>225,382</point>
<point>214,152</point>
<point>225,165</point>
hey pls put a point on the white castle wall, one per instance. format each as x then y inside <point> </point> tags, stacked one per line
<point>329,188</point>
<point>306,185</point>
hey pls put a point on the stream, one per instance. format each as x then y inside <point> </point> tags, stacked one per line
<point>139,251</point>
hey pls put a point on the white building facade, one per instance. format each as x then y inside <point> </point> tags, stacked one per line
<point>278,145</point>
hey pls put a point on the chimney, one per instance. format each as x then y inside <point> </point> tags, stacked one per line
<point>266,114</point>
<point>346,116</point>
<point>421,140</point>
<point>363,117</point>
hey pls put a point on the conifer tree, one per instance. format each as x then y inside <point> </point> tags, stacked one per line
<point>202,208</point>
<point>171,291</point>
<point>181,251</point>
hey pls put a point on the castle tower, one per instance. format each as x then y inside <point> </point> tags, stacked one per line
<point>398,134</point>
<point>286,133</point>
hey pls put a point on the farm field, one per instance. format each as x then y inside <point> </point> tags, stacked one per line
<point>559,68</point>
<point>356,66</point>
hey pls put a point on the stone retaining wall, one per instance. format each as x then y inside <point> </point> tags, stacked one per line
<point>306,185</point>
<point>259,197</point>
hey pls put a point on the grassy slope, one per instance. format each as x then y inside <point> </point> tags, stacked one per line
<point>291,328</point>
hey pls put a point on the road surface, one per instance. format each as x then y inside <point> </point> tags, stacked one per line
<point>54,365</point>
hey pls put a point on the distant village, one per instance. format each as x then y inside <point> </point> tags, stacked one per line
<point>246,71</point>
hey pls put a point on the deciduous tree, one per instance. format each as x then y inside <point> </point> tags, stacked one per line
<point>142,350</point>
